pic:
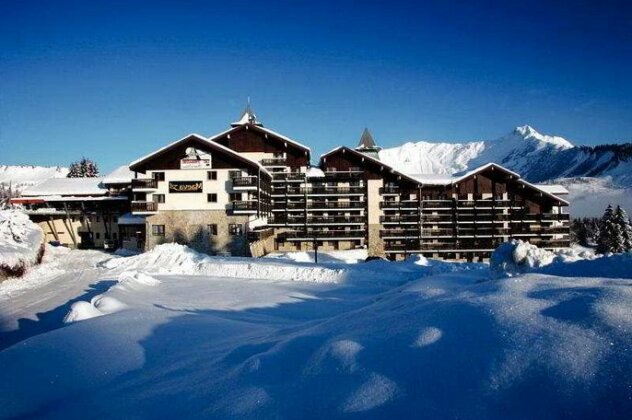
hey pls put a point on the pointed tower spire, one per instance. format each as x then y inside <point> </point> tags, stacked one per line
<point>367,145</point>
<point>366,140</point>
<point>247,117</point>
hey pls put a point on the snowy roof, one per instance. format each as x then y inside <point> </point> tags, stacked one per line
<point>371,159</point>
<point>208,141</point>
<point>552,188</point>
<point>315,172</point>
<point>67,187</point>
<point>121,175</point>
<point>247,117</point>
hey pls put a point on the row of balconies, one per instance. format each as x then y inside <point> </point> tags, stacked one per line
<point>318,220</point>
<point>237,207</point>
<point>323,234</point>
<point>355,190</point>
<point>246,182</point>
<point>320,205</point>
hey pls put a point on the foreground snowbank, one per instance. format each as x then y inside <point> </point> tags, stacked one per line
<point>182,260</point>
<point>21,243</point>
<point>449,345</point>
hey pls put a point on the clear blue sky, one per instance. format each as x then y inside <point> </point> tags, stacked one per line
<point>114,80</point>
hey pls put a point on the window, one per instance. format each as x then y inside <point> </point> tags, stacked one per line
<point>212,229</point>
<point>114,235</point>
<point>98,235</point>
<point>158,176</point>
<point>211,198</point>
<point>354,169</point>
<point>158,230</point>
<point>98,219</point>
<point>234,197</point>
<point>234,174</point>
<point>235,229</point>
<point>211,175</point>
<point>158,198</point>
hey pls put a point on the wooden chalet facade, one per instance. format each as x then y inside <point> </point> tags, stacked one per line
<point>250,191</point>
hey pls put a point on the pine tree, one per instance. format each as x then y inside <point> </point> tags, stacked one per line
<point>624,229</point>
<point>607,232</point>
<point>85,168</point>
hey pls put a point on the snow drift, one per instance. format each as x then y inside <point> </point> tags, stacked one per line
<point>451,345</point>
<point>21,243</point>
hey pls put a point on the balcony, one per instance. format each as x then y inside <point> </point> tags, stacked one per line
<point>144,184</point>
<point>244,207</point>
<point>273,162</point>
<point>438,204</point>
<point>324,234</point>
<point>390,190</point>
<point>355,190</point>
<point>399,233</point>
<point>288,177</point>
<point>404,218</point>
<point>245,183</point>
<point>323,205</point>
<point>144,207</point>
<point>343,174</point>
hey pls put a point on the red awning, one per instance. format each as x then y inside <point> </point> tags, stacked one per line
<point>26,200</point>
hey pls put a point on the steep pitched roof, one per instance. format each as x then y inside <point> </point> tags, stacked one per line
<point>247,117</point>
<point>262,129</point>
<point>208,142</point>
<point>366,140</point>
<point>371,159</point>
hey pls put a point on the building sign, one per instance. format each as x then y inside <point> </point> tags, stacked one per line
<point>185,186</point>
<point>195,163</point>
<point>195,159</point>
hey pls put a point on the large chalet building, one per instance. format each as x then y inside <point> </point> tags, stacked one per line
<point>250,191</point>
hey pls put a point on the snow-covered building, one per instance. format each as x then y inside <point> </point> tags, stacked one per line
<point>250,190</point>
<point>78,212</point>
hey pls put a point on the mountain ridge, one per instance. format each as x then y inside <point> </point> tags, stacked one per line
<point>537,157</point>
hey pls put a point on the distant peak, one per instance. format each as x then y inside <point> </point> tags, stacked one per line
<point>526,130</point>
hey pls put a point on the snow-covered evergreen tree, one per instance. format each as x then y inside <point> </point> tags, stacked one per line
<point>623,224</point>
<point>85,168</point>
<point>607,233</point>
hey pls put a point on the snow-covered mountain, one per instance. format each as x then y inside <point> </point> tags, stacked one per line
<point>594,175</point>
<point>23,176</point>
<point>536,156</point>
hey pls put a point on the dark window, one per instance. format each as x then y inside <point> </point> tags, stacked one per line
<point>211,175</point>
<point>234,174</point>
<point>212,229</point>
<point>235,229</point>
<point>234,197</point>
<point>211,198</point>
<point>158,198</point>
<point>159,176</point>
<point>98,235</point>
<point>98,219</point>
<point>158,230</point>
<point>114,235</point>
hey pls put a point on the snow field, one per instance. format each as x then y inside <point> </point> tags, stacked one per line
<point>377,339</point>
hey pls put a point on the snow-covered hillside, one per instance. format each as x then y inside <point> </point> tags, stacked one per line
<point>537,157</point>
<point>20,177</point>
<point>175,334</point>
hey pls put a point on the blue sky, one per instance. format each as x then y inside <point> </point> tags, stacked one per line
<point>115,80</point>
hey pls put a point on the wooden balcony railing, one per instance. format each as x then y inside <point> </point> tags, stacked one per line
<point>146,183</point>
<point>144,206</point>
